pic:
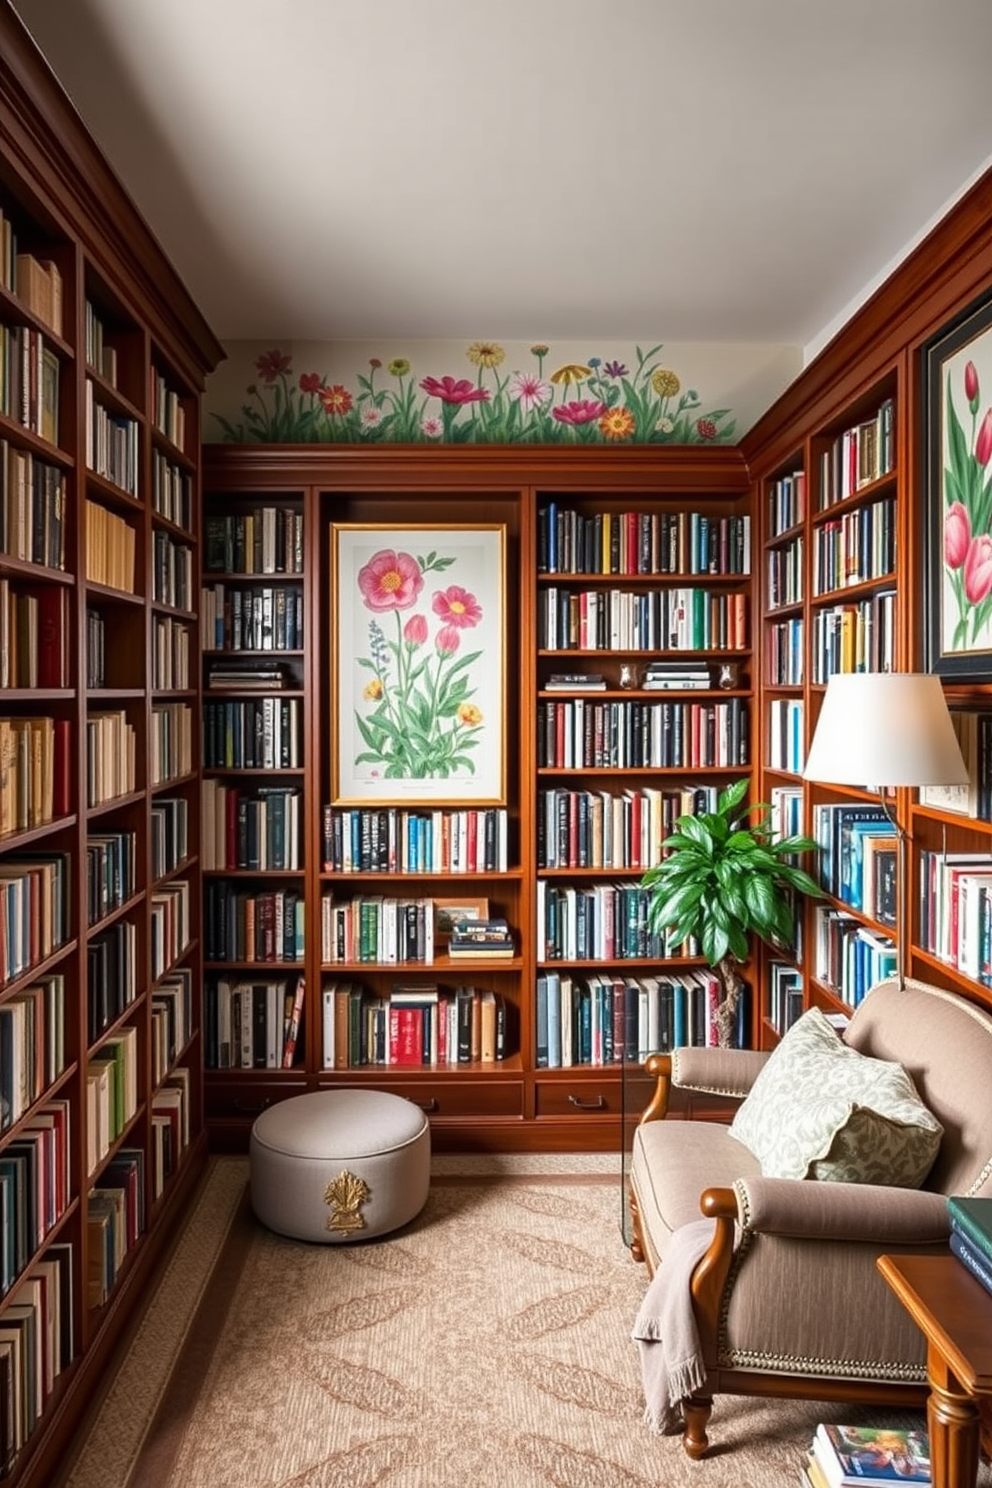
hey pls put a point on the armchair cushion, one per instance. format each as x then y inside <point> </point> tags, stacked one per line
<point>819,1109</point>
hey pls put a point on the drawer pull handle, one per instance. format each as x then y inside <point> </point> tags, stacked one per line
<point>584,1105</point>
<point>428,1105</point>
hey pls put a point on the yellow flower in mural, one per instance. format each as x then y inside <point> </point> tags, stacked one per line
<point>398,367</point>
<point>485,354</point>
<point>469,714</point>
<point>665,383</point>
<point>372,691</point>
<point>571,372</point>
<point>617,423</point>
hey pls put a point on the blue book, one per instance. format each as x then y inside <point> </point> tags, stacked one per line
<point>979,1266</point>
<point>973,1219</point>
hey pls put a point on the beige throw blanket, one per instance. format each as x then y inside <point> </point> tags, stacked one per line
<point>666,1333</point>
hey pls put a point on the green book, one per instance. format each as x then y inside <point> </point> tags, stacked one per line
<point>973,1218</point>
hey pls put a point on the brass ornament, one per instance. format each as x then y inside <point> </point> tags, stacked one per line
<point>345,1197</point>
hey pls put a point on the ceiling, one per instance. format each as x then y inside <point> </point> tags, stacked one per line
<point>704,171</point>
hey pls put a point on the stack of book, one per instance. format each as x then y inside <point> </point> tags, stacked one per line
<point>867,1456</point>
<point>971,1236</point>
<point>576,682</point>
<point>480,938</point>
<point>675,676</point>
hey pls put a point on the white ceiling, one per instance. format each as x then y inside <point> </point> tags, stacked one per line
<point>707,170</point>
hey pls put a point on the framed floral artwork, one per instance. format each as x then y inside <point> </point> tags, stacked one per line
<point>418,685</point>
<point>957,532</point>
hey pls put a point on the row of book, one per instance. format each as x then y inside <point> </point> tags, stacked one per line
<point>35,772</point>
<point>580,734</point>
<point>786,501</point>
<point>603,1019</point>
<point>253,734</point>
<point>32,1045</point>
<point>111,975</point>
<point>100,353</point>
<point>261,618</point>
<point>169,825</point>
<point>368,839</point>
<point>170,1126</point>
<point>111,545</point>
<point>785,995</point>
<point>36,1345</point>
<point>613,829</point>
<point>113,445</point>
<point>172,1019</point>
<point>37,282</point>
<point>856,547</point>
<point>172,571</point>
<point>172,491</point>
<point>633,542</point>
<point>34,635</point>
<point>169,925</point>
<point>266,540</point>
<point>170,742</point>
<point>784,652</point>
<point>170,654</point>
<point>111,1093</point>
<point>29,381</point>
<point>421,1025</point>
<point>111,755</point>
<point>659,619</point>
<point>34,911</point>
<point>32,507</point>
<point>955,922</point>
<point>110,872</point>
<point>786,747</point>
<point>256,830</point>
<point>377,928</point>
<point>34,1186</point>
<point>242,924</point>
<point>599,922</point>
<point>858,857</point>
<point>785,574</point>
<point>168,413</point>
<point>848,956</point>
<point>858,456</point>
<point>855,637</point>
<point>254,1023</point>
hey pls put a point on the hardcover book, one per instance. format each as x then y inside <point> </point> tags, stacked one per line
<point>972,1259</point>
<point>973,1218</point>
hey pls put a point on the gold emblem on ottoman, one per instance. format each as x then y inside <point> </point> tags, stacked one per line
<point>345,1197</point>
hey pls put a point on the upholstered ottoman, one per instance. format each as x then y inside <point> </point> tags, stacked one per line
<point>339,1164</point>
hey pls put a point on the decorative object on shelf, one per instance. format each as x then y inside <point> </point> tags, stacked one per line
<point>723,880</point>
<point>884,731</point>
<point>957,543</point>
<point>449,911</point>
<point>418,672</point>
<point>629,676</point>
<point>728,675</point>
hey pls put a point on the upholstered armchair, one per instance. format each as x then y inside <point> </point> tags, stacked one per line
<point>787,1299</point>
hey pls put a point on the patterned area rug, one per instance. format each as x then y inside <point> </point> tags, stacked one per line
<point>488,1343</point>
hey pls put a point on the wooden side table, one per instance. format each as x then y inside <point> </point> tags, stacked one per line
<point>954,1313</point>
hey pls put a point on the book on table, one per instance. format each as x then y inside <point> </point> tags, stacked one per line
<point>870,1456</point>
<point>973,1260</point>
<point>973,1219</point>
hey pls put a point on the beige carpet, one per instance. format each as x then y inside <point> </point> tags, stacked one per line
<point>486,1344</point>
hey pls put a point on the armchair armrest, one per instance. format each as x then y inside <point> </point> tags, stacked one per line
<point>708,1070</point>
<point>870,1213</point>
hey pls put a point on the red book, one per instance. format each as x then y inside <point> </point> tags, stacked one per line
<point>61,769</point>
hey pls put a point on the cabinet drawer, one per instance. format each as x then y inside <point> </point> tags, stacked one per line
<point>230,1100</point>
<point>459,1098</point>
<point>582,1097</point>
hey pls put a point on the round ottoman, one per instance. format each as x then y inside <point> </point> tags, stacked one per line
<point>339,1164</point>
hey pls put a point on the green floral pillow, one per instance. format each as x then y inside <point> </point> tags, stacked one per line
<point>819,1109</point>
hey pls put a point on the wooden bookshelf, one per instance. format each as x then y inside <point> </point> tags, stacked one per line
<point>513,1101</point>
<point>100,1084</point>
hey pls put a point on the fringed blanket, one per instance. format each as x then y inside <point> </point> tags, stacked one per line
<point>666,1333</point>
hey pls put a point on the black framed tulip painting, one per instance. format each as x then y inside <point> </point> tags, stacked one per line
<point>957,468</point>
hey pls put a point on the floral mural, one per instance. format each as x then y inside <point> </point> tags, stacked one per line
<point>968,518</point>
<point>600,400</point>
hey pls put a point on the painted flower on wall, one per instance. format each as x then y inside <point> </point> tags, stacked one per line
<point>598,401</point>
<point>967,535</point>
<point>417,719</point>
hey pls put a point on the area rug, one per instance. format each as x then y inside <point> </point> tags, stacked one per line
<point>488,1343</point>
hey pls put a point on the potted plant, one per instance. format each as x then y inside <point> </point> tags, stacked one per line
<point>722,880</point>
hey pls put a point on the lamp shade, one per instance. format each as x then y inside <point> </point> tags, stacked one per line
<point>879,729</point>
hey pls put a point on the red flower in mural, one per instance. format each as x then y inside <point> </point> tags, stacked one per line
<point>971,385</point>
<point>390,580</point>
<point>454,390</point>
<point>273,364</point>
<point>617,423</point>
<point>309,382</point>
<point>706,428</point>
<point>336,399</point>
<point>983,444</point>
<point>455,606</point>
<point>448,640</point>
<point>957,535</point>
<point>978,569</point>
<point>415,630</point>
<point>579,411</point>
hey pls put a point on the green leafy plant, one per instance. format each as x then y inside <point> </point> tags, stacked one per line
<point>722,880</point>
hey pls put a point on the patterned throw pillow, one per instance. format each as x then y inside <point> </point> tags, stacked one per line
<point>819,1109</point>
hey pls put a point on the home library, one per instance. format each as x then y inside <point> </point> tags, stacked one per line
<point>101,1121</point>
<point>437,916</point>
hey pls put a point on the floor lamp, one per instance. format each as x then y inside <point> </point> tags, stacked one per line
<point>886,730</point>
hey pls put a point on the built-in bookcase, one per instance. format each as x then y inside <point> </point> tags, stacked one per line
<point>101,1118</point>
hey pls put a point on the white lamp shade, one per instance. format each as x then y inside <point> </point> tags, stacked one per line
<point>879,729</point>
